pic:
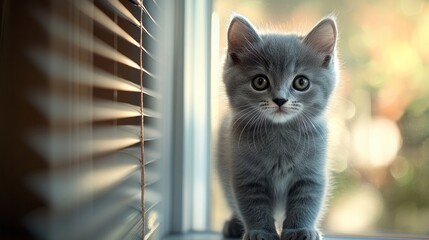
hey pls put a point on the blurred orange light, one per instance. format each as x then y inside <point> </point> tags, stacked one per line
<point>375,142</point>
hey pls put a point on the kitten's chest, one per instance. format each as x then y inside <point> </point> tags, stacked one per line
<point>280,175</point>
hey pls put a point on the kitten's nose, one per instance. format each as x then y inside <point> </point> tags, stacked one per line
<point>279,101</point>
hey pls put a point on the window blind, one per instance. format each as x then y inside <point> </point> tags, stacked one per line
<point>100,101</point>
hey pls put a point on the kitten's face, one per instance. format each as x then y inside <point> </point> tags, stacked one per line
<point>280,77</point>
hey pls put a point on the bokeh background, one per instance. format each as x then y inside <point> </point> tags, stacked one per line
<point>379,116</point>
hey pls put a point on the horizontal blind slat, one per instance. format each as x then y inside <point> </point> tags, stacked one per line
<point>99,16</point>
<point>150,155</point>
<point>57,66</point>
<point>127,15</point>
<point>121,225</point>
<point>60,28</point>
<point>103,110</point>
<point>152,198</point>
<point>148,14</point>
<point>70,188</point>
<point>56,106</point>
<point>151,177</point>
<point>95,13</point>
<point>56,146</point>
<point>147,112</point>
<point>134,151</point>
<point>151,134</point>
<point>151,93</point>
<point>117,7</point>
<point>81,222</point>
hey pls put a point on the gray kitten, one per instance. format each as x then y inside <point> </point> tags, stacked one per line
<point>272,145</point>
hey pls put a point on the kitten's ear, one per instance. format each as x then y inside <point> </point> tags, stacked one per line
<point>241,34</point>
<point>323,36</point>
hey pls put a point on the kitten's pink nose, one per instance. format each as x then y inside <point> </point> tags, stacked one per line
<point>279,101</point>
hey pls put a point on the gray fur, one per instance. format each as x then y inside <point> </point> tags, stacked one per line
<point>273,163</point>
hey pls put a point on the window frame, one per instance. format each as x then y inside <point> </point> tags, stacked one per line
<point>184,44</point>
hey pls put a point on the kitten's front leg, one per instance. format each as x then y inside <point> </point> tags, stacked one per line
<point>255,207</point>
<point>304,202</point>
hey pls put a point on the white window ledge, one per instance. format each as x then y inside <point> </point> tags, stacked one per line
<point>216,236</point>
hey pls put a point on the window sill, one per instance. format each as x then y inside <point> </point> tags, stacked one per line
<point>217,236</point>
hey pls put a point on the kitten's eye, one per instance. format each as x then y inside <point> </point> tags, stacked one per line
<point>260,83</point>
<point>301,83</point>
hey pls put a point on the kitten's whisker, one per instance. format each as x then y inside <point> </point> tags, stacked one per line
<point>310,113</point>
<point>307,137</point>
<point>299,138</point>
<point>245,105</point>
<point>244,128</point>
<point>265,124</point>
<point>244,117</point>
<point>244,114</point>
<point>254,123</point>
<point>255,130</point>
<point>316,128</point>
<point>245,111</point>
<point>311,125</point>
<point>259,135</point>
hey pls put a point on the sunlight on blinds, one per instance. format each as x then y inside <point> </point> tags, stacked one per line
<point>57,66</point>
<point>99,67</point>
<point>85,40</point>
<point>59,144</point>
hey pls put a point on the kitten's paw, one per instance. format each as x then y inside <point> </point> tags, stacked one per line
<point>260,235</point>
<point>233,228</point>
<point>300,234</point>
